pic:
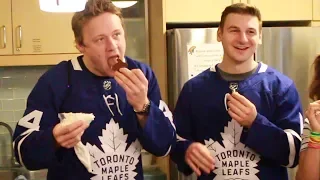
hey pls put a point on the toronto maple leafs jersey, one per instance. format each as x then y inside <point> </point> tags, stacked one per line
<point>260,152</point>
<point>114,138</point>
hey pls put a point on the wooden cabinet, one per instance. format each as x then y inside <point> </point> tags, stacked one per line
<point>189,11</point>
<point>29,30</point>
<point>316,10</point>
<point>38,32</point>
<point>284,10</point>
<point>29,36</point>
<point>5,27</point>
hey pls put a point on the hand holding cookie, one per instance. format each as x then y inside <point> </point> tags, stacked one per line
<point>120,64</point>
<point>134,83</point>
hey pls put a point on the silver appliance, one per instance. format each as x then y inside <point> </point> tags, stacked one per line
<point>291,50</point>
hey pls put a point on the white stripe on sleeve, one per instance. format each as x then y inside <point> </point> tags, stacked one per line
<point>305,135</point>
<point>25,134</point>
<point>292,148</point>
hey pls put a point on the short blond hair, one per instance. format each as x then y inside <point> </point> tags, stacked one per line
<point>92,9</point>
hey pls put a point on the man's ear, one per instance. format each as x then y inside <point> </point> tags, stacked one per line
<point>80,47</point>
<point>219,35</point>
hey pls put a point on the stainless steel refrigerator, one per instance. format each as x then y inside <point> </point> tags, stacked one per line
<point>291,50</point>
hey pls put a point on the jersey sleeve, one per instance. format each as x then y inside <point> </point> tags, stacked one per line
<point>305,137</point>
<point>34,144</point>
<point>158,135</point>
<point>182,120</point>
<point>279,141</point>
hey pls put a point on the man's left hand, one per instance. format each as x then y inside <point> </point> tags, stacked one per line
<point>241,109</point>
<point>135,85</point>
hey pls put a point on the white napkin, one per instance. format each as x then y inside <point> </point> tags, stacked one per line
<point>80,149</point>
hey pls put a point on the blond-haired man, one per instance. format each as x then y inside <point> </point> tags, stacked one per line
<point>121,94</point>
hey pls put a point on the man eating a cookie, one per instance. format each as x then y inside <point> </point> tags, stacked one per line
<point>111,105</point>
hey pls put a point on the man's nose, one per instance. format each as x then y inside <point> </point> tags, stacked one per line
<point>243,37</point>
<point>111,44</point>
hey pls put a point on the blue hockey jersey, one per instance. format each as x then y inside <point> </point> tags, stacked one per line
<point>262,152</point>
<point>114,138</point>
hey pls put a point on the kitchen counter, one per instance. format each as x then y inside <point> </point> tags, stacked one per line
<point>154,174</point>
<point>20,173</point>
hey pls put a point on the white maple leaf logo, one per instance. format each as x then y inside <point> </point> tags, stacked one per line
<point>115,161</point>
<point>234,161</point>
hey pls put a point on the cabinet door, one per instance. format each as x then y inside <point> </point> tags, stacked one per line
<point>316,9</point>
<point>284,10</point>
<point>38,32</point>
<point>5,28</point>
<point>195,11</point>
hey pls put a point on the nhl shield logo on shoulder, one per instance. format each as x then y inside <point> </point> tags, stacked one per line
<point>107,85</point>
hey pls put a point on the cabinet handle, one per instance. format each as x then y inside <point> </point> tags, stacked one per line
<point>4,37</point>
<point>19,44</point>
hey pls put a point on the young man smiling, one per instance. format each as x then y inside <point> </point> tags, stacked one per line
<point>239,119</point>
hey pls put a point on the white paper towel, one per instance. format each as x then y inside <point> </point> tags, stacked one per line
<point>80,149</point>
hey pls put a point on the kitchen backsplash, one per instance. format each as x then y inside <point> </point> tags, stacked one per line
<point>15,85</point>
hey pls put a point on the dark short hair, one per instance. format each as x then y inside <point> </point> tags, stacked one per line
<point>240,8</point>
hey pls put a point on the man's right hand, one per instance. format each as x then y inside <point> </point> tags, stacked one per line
<point>68,136</point>
<point>199,158</point>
